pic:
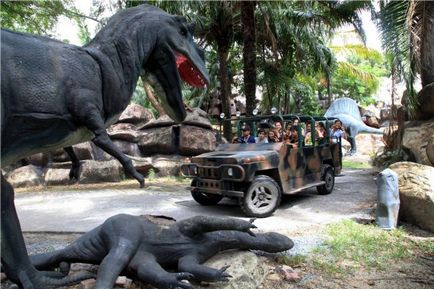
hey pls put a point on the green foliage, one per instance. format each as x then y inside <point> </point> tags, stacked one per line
<point>358,76</point>
<point>37,17</point>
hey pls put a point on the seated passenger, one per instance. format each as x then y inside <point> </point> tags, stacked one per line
<point>272,136</point>
<point>278,130</point>
<point>296,124</point>
<point>246,137</point>
<point>322,133</point>
<point>261,138</point>
<point>337,131</point>
<point>308,136</point>
<point>291,138</point>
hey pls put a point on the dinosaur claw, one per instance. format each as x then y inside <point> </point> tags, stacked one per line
<point>252,220</point>
<point>184,276</point>
<point>251,233</point>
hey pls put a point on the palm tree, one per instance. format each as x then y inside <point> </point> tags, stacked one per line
<point>407,32</point>
<point>249,53</point>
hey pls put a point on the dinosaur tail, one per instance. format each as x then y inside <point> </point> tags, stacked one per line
<point>368,129</point>
<point>68,280</point>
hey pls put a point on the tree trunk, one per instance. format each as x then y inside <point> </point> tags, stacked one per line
<point>152,99</point>
<point>223,52</point>
<point>427,44</point>
<point>249,54</point>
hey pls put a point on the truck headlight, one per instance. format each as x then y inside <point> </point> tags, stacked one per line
<point>195,170</point>
<point>230,172</point>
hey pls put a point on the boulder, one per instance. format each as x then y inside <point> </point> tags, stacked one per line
<point>136,114</point>
<point>97,172</point>
<point>416,193</point>
<point>26,176</point>
<point>128,148</point>
<point>369,144</point>
<point>83,151</point>
<point>59,156</point>
<point>162,121</point>
<point>415,139</point>
<point>168,165</point>
<point>100,155</point>
<point>124,131</point>
<point>195,140</point>
<point>58,176</point>
<point>430,150</point>
<point>39,159</point>
<point>247,270</point>
<point>157,141</point>
<point>197,117</point>
<point>426,99</point>
<point>142,165</point>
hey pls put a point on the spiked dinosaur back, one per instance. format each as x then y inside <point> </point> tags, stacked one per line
<point>348,112</point>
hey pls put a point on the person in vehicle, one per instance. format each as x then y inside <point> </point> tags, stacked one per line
<point>296,124</point>
<point>322,132</point>
<point>291,138</point>
<point>308,136</point>
<point>246,137</point>
<point>261,138</point>
<point>278,130</point>
<point>337,131</point>
<point>272,138</point>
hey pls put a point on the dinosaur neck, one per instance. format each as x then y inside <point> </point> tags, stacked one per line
<point>121,60</point>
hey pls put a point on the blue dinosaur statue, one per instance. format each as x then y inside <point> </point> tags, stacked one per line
<point>348,112</point>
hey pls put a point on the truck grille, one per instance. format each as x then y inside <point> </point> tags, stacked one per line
<point>208,173</point>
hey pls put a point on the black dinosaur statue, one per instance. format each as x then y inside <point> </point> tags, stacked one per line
<point>54,95</point>
<point>347,111</point>
<point>143,249</point>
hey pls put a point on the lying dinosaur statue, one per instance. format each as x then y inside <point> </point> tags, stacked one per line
<point>143,250</point>
<point>348,112</point>
<point>54,95</point>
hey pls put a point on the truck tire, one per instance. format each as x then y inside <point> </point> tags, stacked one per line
<point>262,197</point>
<point>328,176</point>
<point>205,199</point>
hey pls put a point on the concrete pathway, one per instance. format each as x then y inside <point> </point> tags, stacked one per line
<point>80,211</point>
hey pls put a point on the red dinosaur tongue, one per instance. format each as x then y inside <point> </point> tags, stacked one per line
<point>187,71</point>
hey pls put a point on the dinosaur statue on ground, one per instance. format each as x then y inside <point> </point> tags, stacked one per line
<point>348,112</point>
<point>54,95</point>
<point>143,249</point>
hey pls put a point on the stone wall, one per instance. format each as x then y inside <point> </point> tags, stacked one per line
<point>158,144</point>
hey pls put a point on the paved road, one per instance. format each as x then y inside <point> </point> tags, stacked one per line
<point>80,211</point>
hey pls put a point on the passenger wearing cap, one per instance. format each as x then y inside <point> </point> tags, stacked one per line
<point>246,137</point>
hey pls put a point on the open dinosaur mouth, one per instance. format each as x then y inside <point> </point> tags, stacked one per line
<point>188,72</point>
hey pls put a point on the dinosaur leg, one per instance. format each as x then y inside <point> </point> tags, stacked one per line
<point>202,273</point>
<point>148,270</point>
<point>103,141</point>
<point>202,224</point>
<point>14,258</point>
<point>352,142</point>
<point>74,173</point>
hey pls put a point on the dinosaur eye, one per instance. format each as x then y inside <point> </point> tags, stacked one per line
<point>183,31</point>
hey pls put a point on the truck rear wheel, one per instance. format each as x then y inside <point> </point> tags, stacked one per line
<point>328,176</point>
<point>205,199</point>
<point>262,197</point>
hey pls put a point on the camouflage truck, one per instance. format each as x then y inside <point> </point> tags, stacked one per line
<point>258,174</point>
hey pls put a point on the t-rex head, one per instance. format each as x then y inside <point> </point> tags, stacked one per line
<point>175,56</point>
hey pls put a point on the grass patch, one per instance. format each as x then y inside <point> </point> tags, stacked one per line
<point>351,246</point>
<point>291,261</point>
<point>350,164</point>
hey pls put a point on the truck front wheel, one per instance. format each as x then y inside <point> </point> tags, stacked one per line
<point>262,197</point>
<point>205,199</point>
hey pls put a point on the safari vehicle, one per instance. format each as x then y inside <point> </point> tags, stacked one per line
<point>258,174</point>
